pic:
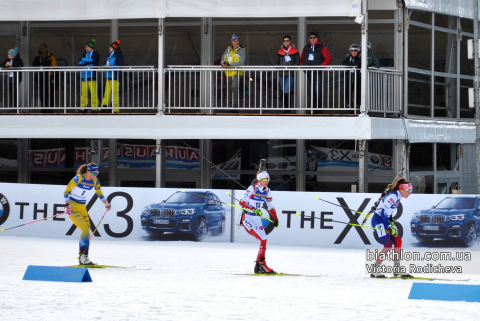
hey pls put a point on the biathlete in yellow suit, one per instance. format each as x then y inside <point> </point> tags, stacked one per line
<point>75,197</point>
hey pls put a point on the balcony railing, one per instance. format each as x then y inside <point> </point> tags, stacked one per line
<point>200,89</point>
<point>276,89</point>
<point>71,89</point>
<point>385,94</point>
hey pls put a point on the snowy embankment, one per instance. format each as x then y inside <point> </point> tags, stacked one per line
<point>200,281</point>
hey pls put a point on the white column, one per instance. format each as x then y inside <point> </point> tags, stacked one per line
<point>161,60</point>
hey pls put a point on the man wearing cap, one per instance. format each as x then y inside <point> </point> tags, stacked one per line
<point>384,223</point>
<point>13,61</point>
<point>115,58</point>
<point>315,54</point>
<point>91,57</point>
<point>234,56</point>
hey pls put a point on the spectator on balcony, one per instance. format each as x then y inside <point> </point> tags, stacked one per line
<point>315,54</point>
<point>115,58</point>
<point>372,60</point>
<point>13,61</point>
<point>234,56</point>
<point>288,55</point>
<point>354,59</point>
<point>46,79</point>
<point>91,57</point>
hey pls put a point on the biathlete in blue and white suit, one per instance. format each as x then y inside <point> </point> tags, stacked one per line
<point>253,199</point>
<point>76,197</point>
<point>383,221</point>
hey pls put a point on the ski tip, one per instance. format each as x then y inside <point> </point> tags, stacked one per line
<point>316,197</point>
<point>183,190</point>
<point>228,193</point>
<point>3,230</point>
<point>297,213</point>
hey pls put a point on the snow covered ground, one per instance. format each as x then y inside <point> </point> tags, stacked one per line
<point>200,281</point>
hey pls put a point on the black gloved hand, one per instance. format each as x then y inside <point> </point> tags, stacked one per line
<point>276,223</point>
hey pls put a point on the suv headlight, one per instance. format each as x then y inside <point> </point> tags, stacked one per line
<point>415,216</point>
<point>188,211</point>
<point>146,210</point>
<point>457,217</point>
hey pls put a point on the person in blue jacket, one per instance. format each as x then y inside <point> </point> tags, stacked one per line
<point>384,223</point>
<point>115,58</point>
<point>91,57</point>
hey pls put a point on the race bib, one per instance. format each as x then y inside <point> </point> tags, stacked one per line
<point>310,57</point>
<point>287,58</point>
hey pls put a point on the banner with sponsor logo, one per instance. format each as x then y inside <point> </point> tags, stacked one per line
<point>128,155</point>
<point>204,215</point>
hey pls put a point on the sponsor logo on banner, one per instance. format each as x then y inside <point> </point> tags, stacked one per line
<point>4,209</point>
<point>128,155</point>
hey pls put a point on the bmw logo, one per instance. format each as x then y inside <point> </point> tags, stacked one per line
<point>375,159</point>
<point>4,209</point>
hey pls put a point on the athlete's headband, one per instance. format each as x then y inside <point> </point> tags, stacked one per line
<point>407,187</point>
<point>92,168</point>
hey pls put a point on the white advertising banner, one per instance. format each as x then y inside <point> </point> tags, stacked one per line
<point>205,215</point>
<point>24,203</point>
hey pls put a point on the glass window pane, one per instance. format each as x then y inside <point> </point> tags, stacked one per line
<point>382,40</point>
<point>139,45</point>
<point>421,157</point>
<point>63,153</point>
<point>8,153</point>
<point>422,184</point>
<point>445,52</point>
<point>465,111</point>
<point>466,65</point>
<point>418,94</point>
<point>445,97</point>
<point>182,45</point>
<point>421,16</point>
<point>447,157</point>
<point>419,48</point>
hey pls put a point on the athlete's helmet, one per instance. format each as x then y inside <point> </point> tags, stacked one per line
<point>369,45</point>
<point>355,47</point>
<point>263,175</point>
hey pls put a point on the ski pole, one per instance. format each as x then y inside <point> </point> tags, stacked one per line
<point>318,198</point>
<point>245,209</point>
<point>374,207</point>
<point>99,223</point>
<point>353,224</point>
<point>42,219</point>
<point>250,211</point>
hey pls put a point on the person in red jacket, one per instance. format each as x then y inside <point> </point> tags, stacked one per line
<point>252,202</point>
<point>288,55</point>
<point>315,54</point>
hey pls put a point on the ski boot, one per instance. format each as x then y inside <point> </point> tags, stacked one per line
<point>84,260</point>
<point>396,271</point>
<point>377,274</point>
<point>261,267</point>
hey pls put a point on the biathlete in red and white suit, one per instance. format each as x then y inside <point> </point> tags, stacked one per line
<point>384,223</point>
<point>253,199</point>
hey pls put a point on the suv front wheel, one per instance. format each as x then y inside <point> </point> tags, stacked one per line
<point>201,230</point>
<point>470,235</point>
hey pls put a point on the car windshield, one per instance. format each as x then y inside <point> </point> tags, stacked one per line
<point>189,198</point>
<point>458,203</point>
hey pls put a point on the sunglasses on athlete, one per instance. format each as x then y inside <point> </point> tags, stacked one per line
<point>265,179</point>
<point>94,173</point>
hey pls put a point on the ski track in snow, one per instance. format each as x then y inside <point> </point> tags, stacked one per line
<point>191,280</point>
